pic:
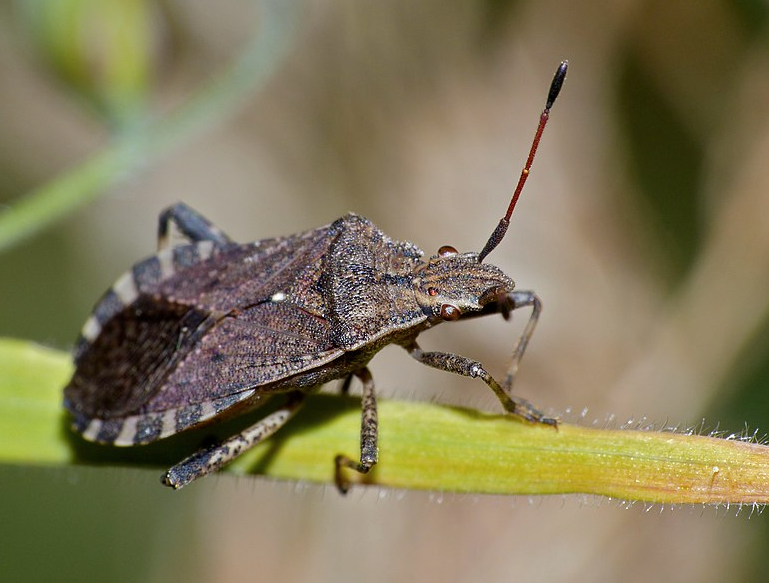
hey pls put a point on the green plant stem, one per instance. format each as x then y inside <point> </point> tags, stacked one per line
<point>49,203</point>
<point>422,446</point>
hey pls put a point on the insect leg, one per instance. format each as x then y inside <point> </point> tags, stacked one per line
<point>191,223</point>
<point>472,368</point>
<point>520,299</point>
<point>369,434</point>
<point>345,389</point>
<point>211,459</point>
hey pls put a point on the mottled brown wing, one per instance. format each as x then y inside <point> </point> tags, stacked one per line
<point>264,344</point>
<point>186,370</point>
<point>125,366</point>
<point>245,275</point>
<point>201,332</point>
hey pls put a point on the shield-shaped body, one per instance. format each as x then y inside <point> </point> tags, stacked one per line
<point>211,329</point>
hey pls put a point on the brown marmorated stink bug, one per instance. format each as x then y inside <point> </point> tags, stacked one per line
<point>211,329</point>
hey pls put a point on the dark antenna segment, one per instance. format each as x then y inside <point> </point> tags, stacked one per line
<point>504,222</point>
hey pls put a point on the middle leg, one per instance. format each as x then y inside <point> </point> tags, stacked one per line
<point>369,435</point>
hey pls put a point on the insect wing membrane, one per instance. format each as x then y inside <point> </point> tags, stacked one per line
<point>192,343</point>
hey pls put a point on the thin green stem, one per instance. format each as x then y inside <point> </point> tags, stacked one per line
<point>422,446</point>
<point>247,75</point>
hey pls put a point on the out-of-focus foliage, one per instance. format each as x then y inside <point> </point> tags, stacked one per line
<point>104,50</point>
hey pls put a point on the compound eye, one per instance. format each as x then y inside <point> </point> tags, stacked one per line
<point>447,251</point>
<point>449,312</point>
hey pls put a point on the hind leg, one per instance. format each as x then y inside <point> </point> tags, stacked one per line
<point>190,223</point>
<point>211,459</point>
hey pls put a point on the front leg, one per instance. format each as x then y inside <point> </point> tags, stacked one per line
<point>521,299</point>
<point>369,434</point>
<point>505,305</point>
<point>472,368</point>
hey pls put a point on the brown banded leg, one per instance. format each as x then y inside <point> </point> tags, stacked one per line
<point>190,223</point>
<point>211,459</point>
<point>369,434</point>
<point>472,368</point>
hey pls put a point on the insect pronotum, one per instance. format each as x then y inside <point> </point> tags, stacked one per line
<point>213,328</point>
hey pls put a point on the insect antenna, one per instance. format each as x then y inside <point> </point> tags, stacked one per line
<point>504,222</point>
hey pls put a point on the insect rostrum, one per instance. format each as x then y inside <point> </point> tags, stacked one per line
<point>213,328</point>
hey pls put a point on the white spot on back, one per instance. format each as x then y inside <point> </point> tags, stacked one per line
<point>278,297</point>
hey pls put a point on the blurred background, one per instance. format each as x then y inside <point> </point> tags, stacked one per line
<point>644,228</point>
